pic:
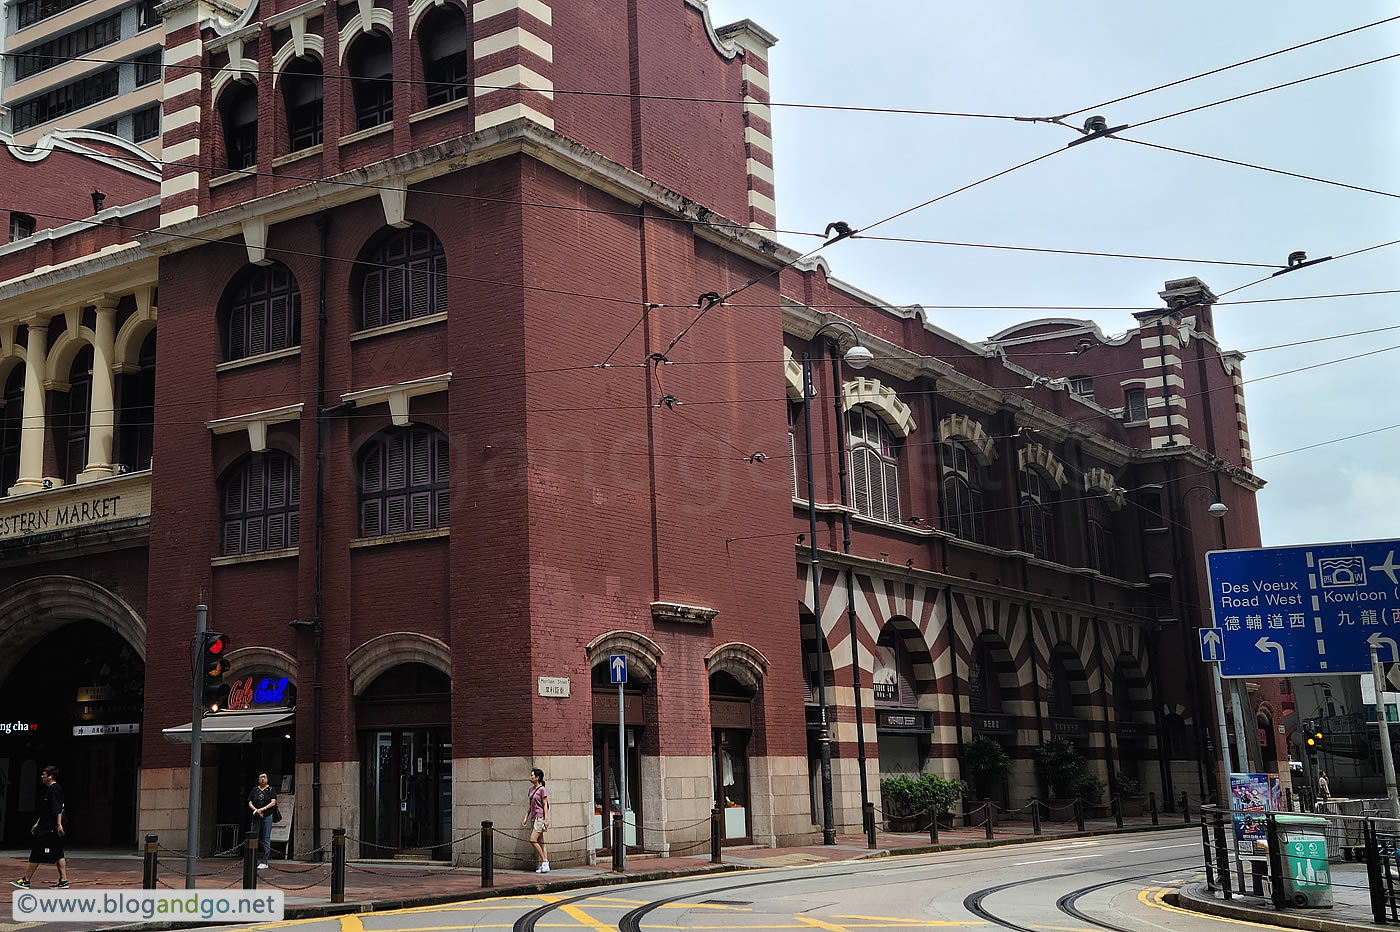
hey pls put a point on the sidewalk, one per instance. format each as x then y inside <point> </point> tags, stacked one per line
<point>1351,909</point>
<point>378,885</point>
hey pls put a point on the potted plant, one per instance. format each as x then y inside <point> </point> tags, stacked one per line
<point>985,763</point>
<point>1066,777</point>
<point>1130,796</point>
<point>908,799</point>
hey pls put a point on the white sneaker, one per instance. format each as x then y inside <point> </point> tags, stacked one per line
<point>544,867</point>
<point>262,866</point>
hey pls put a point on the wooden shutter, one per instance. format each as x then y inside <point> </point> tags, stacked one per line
<point>279,322</point>
<point>276,531</point>
<point>276,481</point>
<point>253,535</point>
<point>439,284</point>
<point>875,475</point>
<point>233,538</point>
<point>257,489</point>
<point>393,308</point>
<point>891,492</point>
<point>420,511</point>
<point>860,481</point>
<point>440,453</point>
<point>257,328</point>
<point>371,518</point>
<point>293,528</point>
<point>372,474</point>
<point>420,462</point>
<point>420,287</point>
<point>238,332</point>
<point>233,495</point>
<point>908,694</point>
<point>792,455</point>
<point>395,515</point>
<point>372,300</point>
<point>396,472</point>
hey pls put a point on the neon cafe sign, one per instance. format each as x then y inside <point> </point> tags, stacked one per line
<point>249,692</point>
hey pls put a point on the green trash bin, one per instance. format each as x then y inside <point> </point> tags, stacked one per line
<point>1307,876</point>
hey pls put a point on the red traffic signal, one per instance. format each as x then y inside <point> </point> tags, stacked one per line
<point>212,666</point>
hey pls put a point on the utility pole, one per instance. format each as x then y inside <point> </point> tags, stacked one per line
<point>201,618</point>
<point>1383,724</point>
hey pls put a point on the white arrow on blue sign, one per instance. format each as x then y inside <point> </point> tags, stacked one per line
<point>1212,646</point>
<point>617,668</point>
<point>1319,608</point>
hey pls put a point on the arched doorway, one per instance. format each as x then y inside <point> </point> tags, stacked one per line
<point>81,710</point>
<point>1132,711</point>
<point>903,692</point>
<point>617,757</point>
<point>1071,705</point>
<point>731,735</point>
<point>992,693</point>
<point>816,668</point>
<point>404,717</point>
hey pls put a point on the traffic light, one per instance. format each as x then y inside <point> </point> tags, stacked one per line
<point>1314,739</point>
<point>213,664</point>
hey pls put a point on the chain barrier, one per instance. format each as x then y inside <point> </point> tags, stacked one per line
<point>315,883</point>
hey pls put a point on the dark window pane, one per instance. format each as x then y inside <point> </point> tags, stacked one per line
<point>260,510</point>
<point>404,482</point>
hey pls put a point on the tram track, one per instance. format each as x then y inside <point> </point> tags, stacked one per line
<point>632,920</point>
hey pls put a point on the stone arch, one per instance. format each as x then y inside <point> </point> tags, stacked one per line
<point>1037,457</point>
<point>643,654</point>
<point>792,373</point>
<point>248,660</point>
<point>242,69</point>
<point>313,47</point>
<point>882,400</point>
<point>59,361</point>
<point>386,651</point>
<point>416,9</point>
<point>31,609</point>
<point>131,336</point>
<point>962,427</point>
<point>379,18</point>
<point>1097,479</point>
<point>916,648</point>
<point>746,664</point>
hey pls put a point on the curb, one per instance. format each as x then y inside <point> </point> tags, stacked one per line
<point>362,907</point>
<point>1195,898</point>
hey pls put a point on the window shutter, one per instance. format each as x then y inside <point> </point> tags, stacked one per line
<point>257,489</point>
<point>372,476</point>
<point>444,499</point>
<point>420,466</point>
<point>233,495</point>
<point>439,284</point>
<point>238,332</point>
<point>395,515</point>
<point>293,528</point>
<point>396,473</point>
<point>908,695</point>
<point>860,482</point>
<point>875,476</point>
<point>371,524</point>
<point>254,535</point>
<point>420,511</point>
<point>394,309</point>
<point>257,328</point>
<point>372,300</point>
<point>276,481</point>
<point>276,531</point>
<point>233,538</point>
<point>892,492</point>
<point>420,287</point>
<point>792,455</point>
<point>440,449</point>
<point>279,323</point>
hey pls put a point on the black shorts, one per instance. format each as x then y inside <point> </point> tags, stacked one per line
<point>48,848</point>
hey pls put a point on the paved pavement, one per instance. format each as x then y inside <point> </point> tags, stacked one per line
<point>1351,908</point>
<point>378,885</point>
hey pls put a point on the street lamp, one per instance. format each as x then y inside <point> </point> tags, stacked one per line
<point>858,357</point>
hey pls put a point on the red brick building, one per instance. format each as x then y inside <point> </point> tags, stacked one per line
<point>444,419</point>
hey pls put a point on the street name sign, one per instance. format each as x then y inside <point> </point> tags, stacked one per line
<point>1317,609</point>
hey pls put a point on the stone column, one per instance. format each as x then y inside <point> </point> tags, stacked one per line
<point>31,447</point>
<point>101,413</point>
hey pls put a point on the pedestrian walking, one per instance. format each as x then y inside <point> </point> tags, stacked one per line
<point>1324,791</point>
<point>263,802</point>
<point>48,832</point>
<point>537,817</point>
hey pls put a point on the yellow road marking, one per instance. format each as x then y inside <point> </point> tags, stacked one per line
<point>821,924</point>
<point>351,924</point>
<point>1153,896</point>
<point>917,922</point>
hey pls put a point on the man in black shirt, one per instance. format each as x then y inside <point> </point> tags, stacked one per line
<point>48,832</point>
<point>262,800</point>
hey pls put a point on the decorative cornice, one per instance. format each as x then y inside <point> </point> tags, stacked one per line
<point>676,613</point>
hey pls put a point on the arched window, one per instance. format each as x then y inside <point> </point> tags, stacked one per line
<point>1037,514</point>
<point>238,106</point>
<point>264,314</point>
<point>963,505</point>
<point>71,424</point>
<point>139,409</point>
<point>894,671</point>
<point>404,482</point>
<point>301,94</point>
<point>1061,686</point>
<point>1101,556</point>
<point>371,67</point>
<point>983,684</point>
<point>874,466</point>
<point>792,446</point>
<point>11,428</point>
<point>261,501</point>
<point>442,39</point>
<point>407,278</point>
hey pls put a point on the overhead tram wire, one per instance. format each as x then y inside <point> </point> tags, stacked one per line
<point>1224,68</point>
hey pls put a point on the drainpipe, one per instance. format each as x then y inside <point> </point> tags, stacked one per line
<point>323,227</point>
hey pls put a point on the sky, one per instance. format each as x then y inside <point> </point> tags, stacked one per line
<point>1039,59</point>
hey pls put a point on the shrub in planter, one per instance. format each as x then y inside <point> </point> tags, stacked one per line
<point>986,763</point>
<point>909,798</point>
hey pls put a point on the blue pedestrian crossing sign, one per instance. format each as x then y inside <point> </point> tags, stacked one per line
<point>617,668</point>
<point>1212,645</point>
<point>1314,609</point>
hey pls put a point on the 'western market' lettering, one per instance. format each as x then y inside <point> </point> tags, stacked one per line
<point>61,516</point>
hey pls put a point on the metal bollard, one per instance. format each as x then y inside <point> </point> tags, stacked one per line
<point>987,805</point>
<point>715,836</point>
<point>1288,799</point>
<point>1152,806</point>
<point>1278,895</point>
<point>1185,809</point>
<point>1035,815</point>
<point>1373,872</point>
<point>337,865</point>
<point>148,867</point>
<point>488,854</point>
<point>933,824</point>
<point>870,826</point>
<point>1078,814</point>
<point>1210,857</point>
<point>619,845</point>
<point>250,861</point>
<point>1222,854</point>
<point>1117,804</point>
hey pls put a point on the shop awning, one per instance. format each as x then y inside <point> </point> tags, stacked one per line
<point>230,727</point>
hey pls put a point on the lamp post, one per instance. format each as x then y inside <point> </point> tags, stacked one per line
<point>858,357</point>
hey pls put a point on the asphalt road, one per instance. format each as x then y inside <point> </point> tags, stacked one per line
<point>1083,885</point>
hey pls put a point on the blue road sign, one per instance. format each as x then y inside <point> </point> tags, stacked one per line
<point>1282,611</point>
<point>1212,645</point>
<point>617,668</point>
